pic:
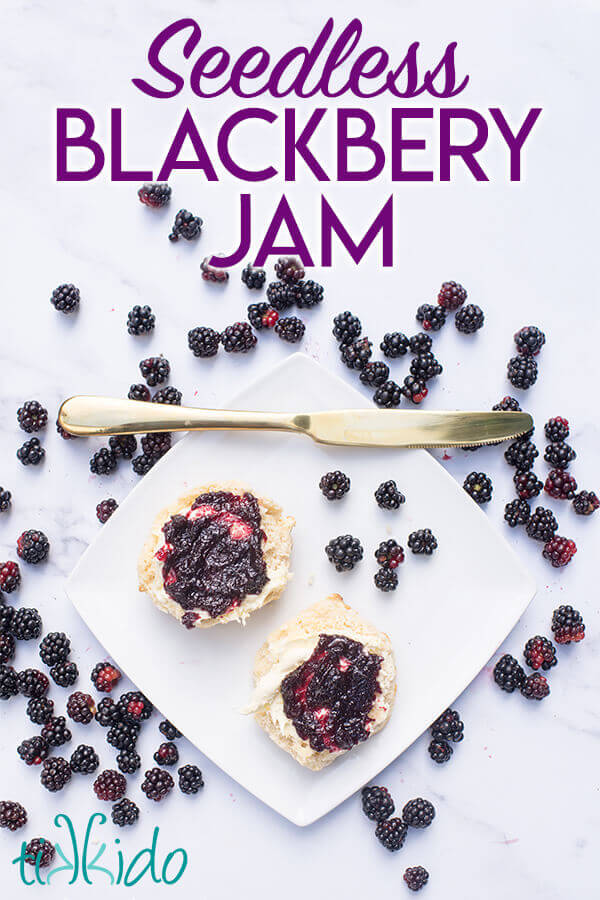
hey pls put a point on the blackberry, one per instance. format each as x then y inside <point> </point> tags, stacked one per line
<point>478,485</point>
<point>31,453</point>
<point>542,524</point>
<point>451,295</point>
<point>416,877</point>
<point>10,577</point>
<point>39,852</point>
<point>389,554</point>
<point>394,344</point>
<point>391,833</point>
<point>425,366</point>
<point>105,509</point>
<point>388,395</point>
<point>346,327</point>
<point>81,707</point>
<point>469,319</point>
<point>154,195</point>
<point>55,732</point>
<point>559,454</point>
<point>142,464</point>
<point>521,454</point>
<point>123,735</point>
<point>289,269</point>
<point>527,485</point>
<point>123,446</point>
<point>507,404</point>
<point>167,754</point>
<point>422,541</point>
<point>7,647</point>
<point>203,341</point>
<point>559,551</point>
<point>105,676</point>
<point>238,338</point>
<point>334,485</point>
<point>103,462</point>
<point>560,485</point>
<point>535,687</point>
<point>386,580</point>
<point>107,712</point>
<point>9,682</point>
<point>26,624</point>
<point>129,761</point>
<point>585,503</point>
<point>33,750</point>
<point>556,429</point>
<point>420,342</point>
<point>567,625</point>
<point>375,374</point>
<point>64,434</point>
<point>169,731</point>
<point>414,389</point>
<point>40,710</point>
<point>12,815</point>
<point>529,340</point>
<point>156,444</point>
<point>448,727</point>
<point>387,495</point>
<point>7,613</point>
<point>357,354</point>
<point>309,295</point>
<point>290,330</point>
<point>540,652</point>
<point>84,760</point>
<point>110,785</point>
<point>65,298</point>
<point>168,395</point>
<point>517,512</point>
<point>432,318</point>
<point>344,552</point>
<point>213,273</point>
<point>261,315</point>
<point>55,648</point>
<point>139,392</point>
<point>253,278</point>
<point>5,498</point>
<point>377,804</point>
<point>418,813</point>
<point>440,751</point>
<point>125,812</point>
<point>33,683</point>
<point>32,416</point>
<point>190,779</point>
<point>155,370</point>
<point>55,774</point>
<point>280,296</point>
<point>522,372</point>
<point>156,784</point>
<point>140,320</point>
<point>186,225</point>
<point>134,707</point>
<point>64,674</point>
<point>508,673</point>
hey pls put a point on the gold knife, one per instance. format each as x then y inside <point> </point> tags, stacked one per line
<point>351,427</point>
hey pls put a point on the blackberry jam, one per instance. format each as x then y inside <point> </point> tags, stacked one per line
<point>329,697</point>
<point>212,556</point>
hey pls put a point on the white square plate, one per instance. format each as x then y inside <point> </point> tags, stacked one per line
<point>200,679</point>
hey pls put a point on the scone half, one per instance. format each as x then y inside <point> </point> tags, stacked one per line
<point>216,555</point>
<point>354,666</point>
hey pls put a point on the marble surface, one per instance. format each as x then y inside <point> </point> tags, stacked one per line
<point>523,786</point>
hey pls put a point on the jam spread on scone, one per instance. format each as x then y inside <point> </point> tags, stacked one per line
<point>329,697</point>
<point>212,556</point>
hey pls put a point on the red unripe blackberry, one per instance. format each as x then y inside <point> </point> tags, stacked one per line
<point>451,295</point>
<point>154,195</point>
<point>567,625</point>
<point>105,676</point>
<point>559,551</point>
<point>110,785</point>
<point>10,576</point>
<point>540,653</point>
<point>560,485</point>
<point>535,687</point>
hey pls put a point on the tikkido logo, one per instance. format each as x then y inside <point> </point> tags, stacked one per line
<point>82,864</point>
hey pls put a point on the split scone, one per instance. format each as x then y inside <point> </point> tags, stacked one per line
<point>216,555</point>
<point>323,683</point>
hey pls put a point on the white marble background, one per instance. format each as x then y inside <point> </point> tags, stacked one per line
<point>517,806</point>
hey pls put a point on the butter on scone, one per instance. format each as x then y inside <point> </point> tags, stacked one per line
<point>216,555</point>
<point>323,683</point>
